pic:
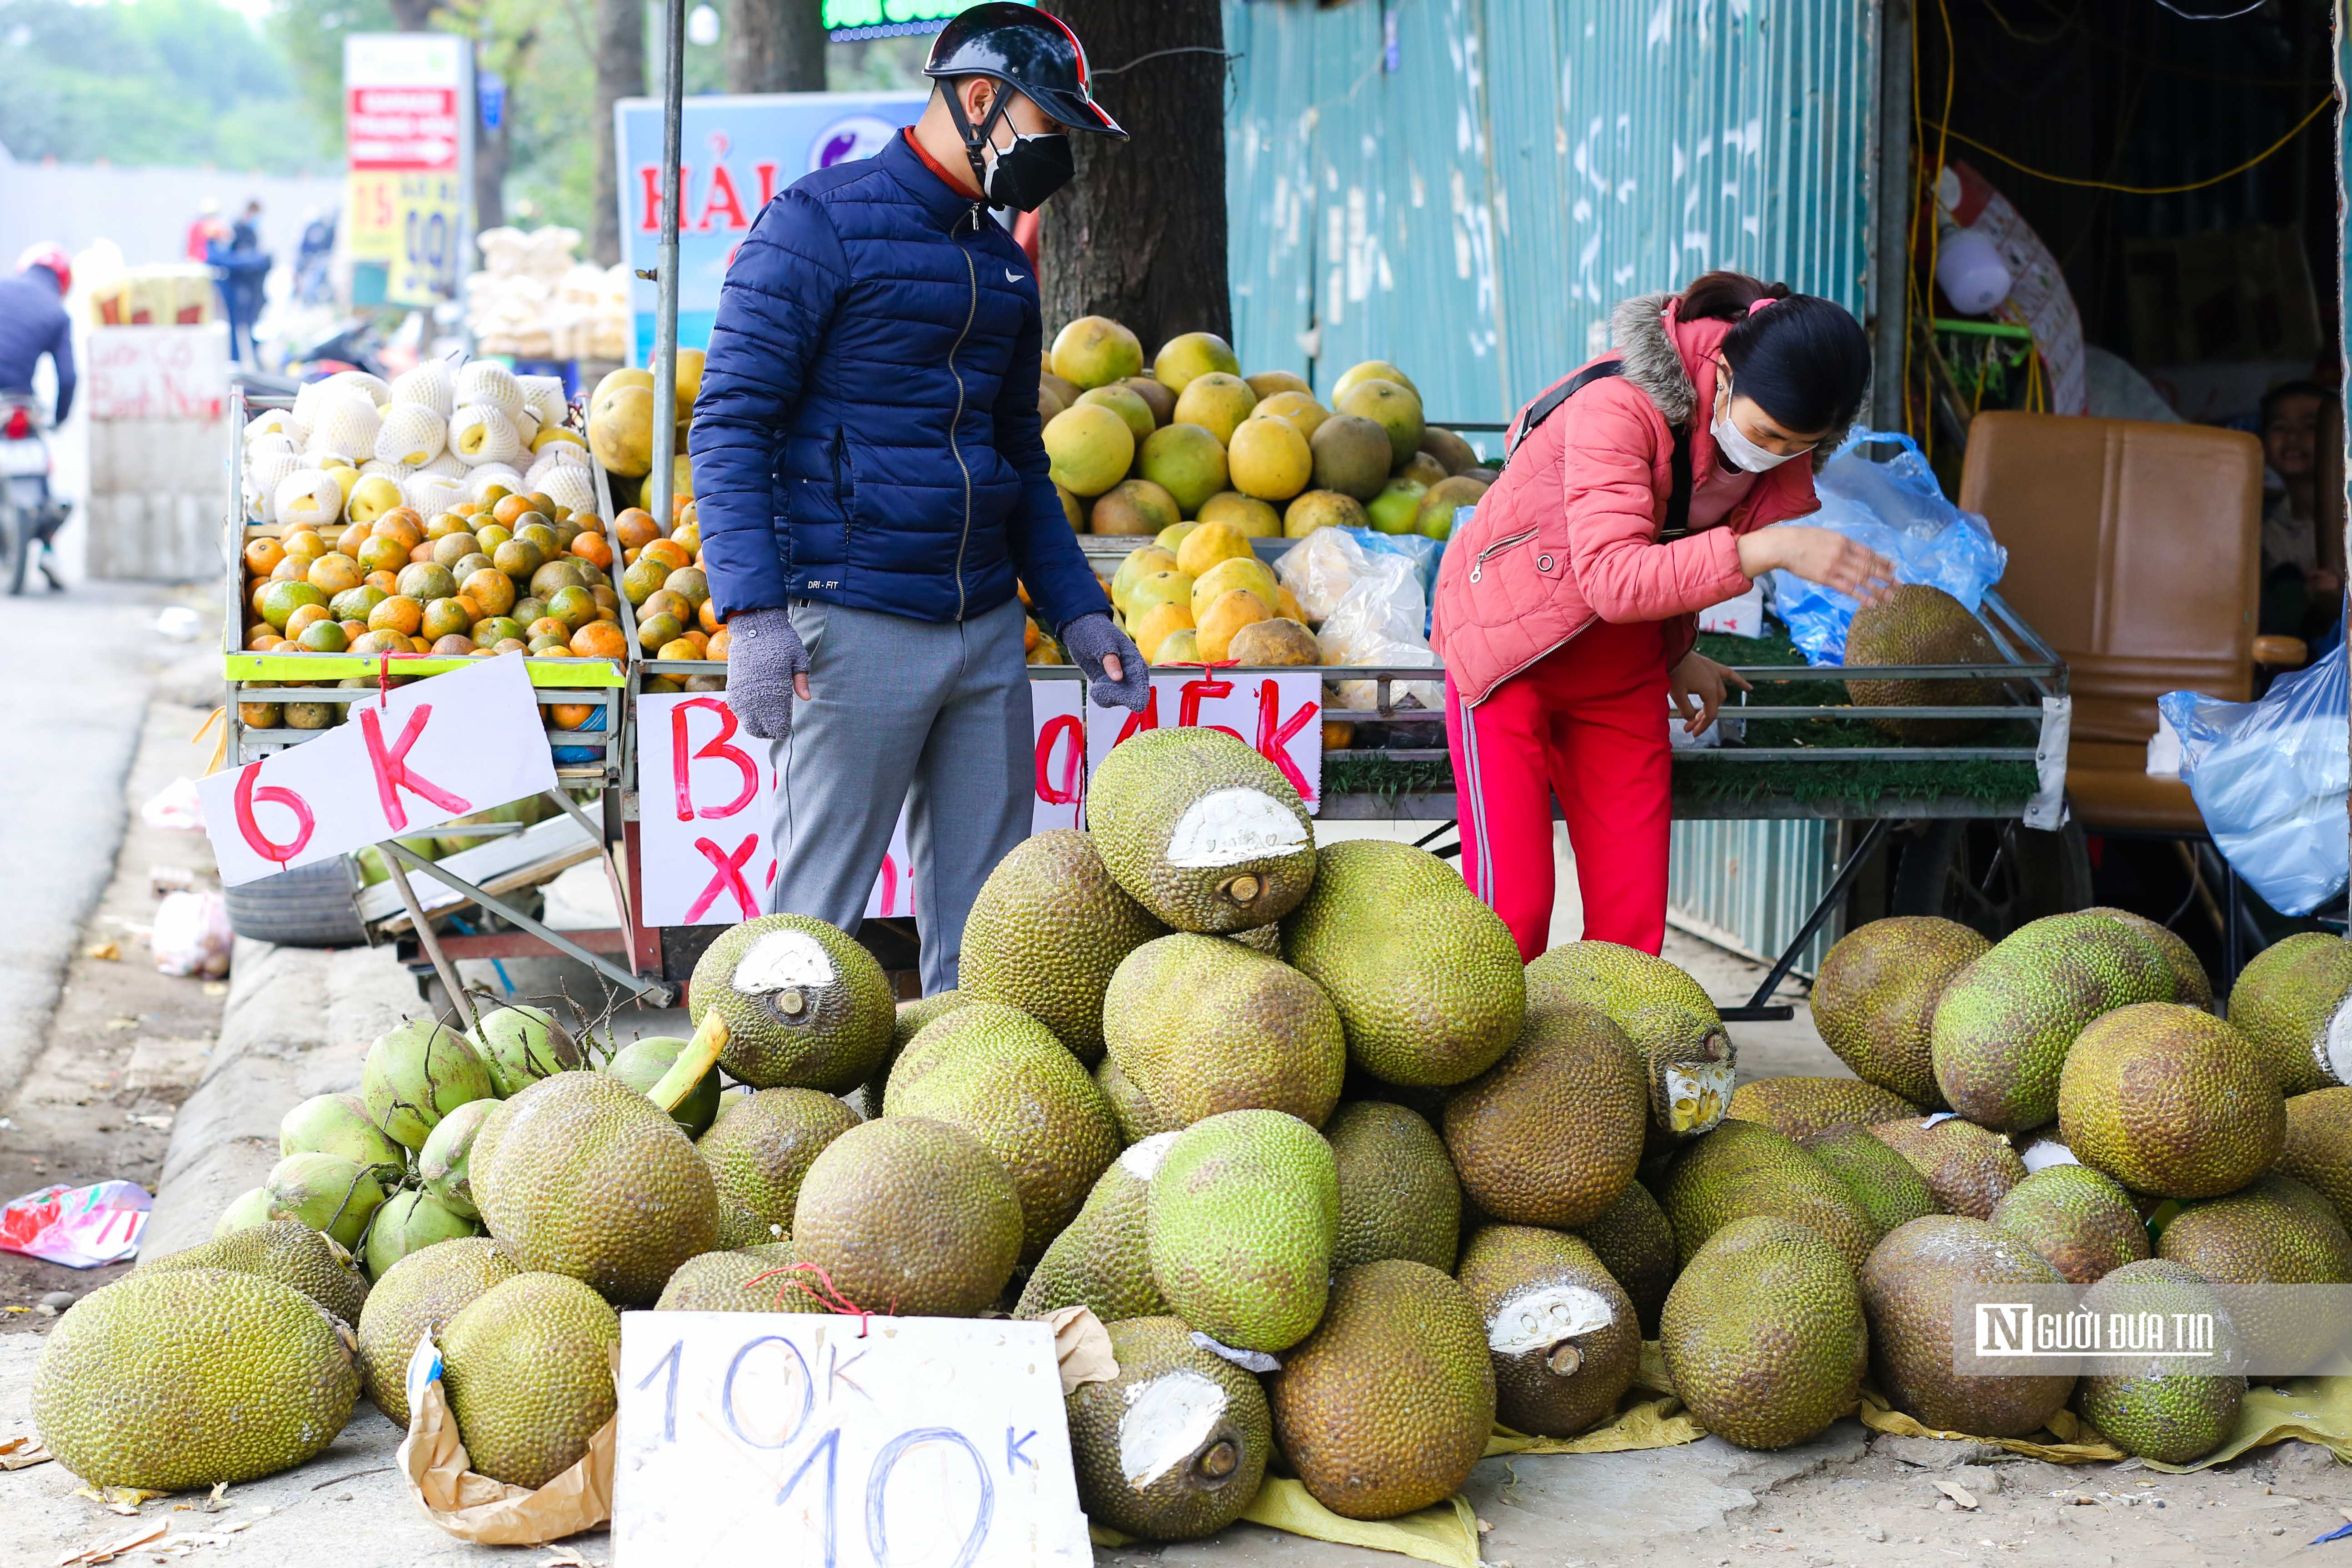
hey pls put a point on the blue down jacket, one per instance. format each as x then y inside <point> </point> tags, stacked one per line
<point>867,433</point>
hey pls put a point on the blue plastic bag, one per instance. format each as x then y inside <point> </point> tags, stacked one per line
<point>1423,551</point>
<point>1896,508</point>
<point>2270,778</point>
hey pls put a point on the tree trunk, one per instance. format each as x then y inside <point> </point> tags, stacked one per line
<point>494,150</point>
<point>413,16</point>
<point>620,73</point>
<point>1139,236</point>
<point>773,46</point>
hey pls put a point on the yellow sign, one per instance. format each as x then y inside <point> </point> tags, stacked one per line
<point>372,233</point>
<point>428,225</point>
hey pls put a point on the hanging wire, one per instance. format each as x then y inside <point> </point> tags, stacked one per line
<point>2299,127</point>
<point>2211,16</point>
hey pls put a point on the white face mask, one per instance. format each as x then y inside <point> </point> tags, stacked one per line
<point>1745,454</point>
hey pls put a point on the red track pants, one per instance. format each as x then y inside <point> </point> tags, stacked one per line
<point>1588,724</point>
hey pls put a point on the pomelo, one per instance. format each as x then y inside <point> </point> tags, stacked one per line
<point>1396,409</point>
<point>1095,350</point>
<point>1090,448</point>
<point>1191,354</point>
<point>1187,461</point>
<point>1269,458</point>
<point>1216,401</point>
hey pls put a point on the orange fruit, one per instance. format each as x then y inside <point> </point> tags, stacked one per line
<point>489,536</point>
<point>253,597</point>
<point>602,594</point>
<point>688,582</point>
<point>381,582</point>
<point>304,543</point>
<point>587,522</point>
<point>607,612</point>
<point>592,548</point>
<point>542,503</point>
<point>420,552</point>
<point>381,554</point>
<point>466,509</point>
<point>471,604</point>
<point>443,524</point>
<point>323,637</point>
<point>392,525</point>
<point>642,578</point>
<point>689,534</point>
<point>573,607</point>
<point>263,643</point>
<point>353,603</point>
<point>701,641</point>
<point>568,715</point>
<point>519,558</point>
<point>442,616</point>
<point>490,588</point>
<point>511,508</point>
<point>452,548</point>
<point>662,602</point>
<point>655,630</point>
<point>351,538</point>
<point>493,494</point>
<point>262,555</point>
<point>679,647</point>
<point>549,626</point>
<point>547,643</point>
<point>285,596</point>
<point>456,645</point>
<point>492,630</point>
<point>398,614</point>
<point>406,517</point>
<point>353,629</point>
<point>303,617</point>
<point>677,505</point>
<point>676,555</point>
<point>634,529</point>
<point>718,649</point>
<point>599,639</point>
<point>332,572</point>
<point>293,569</point>
<point>509,645</point>
<point>425,581</point>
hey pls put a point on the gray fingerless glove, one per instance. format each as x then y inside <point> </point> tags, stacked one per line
<point>763,654</point>
<point>1093,638</point>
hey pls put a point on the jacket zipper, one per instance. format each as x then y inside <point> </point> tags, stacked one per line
<point>841,471</point>
<point>1478,565</point>
<point>955,446</point>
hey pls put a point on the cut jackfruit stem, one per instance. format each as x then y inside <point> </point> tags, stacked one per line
<point>701,1053</point>
<point>1243,889</point>
<point>1564,1359</point>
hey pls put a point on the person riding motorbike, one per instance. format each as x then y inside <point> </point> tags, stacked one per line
<point>33,323</point>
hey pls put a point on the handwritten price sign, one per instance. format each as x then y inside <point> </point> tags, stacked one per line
<point>405,762</point>
<point>1280,715</point>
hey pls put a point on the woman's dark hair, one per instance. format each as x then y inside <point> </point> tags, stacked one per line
<point>1803,359</point>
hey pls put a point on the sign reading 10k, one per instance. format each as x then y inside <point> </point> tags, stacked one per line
<point>833,1442</point>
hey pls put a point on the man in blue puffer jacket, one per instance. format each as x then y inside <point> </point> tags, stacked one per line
<point>871,483</point>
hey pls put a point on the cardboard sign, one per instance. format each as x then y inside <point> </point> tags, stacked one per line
<point>828,1442</point>
<point>1281,715</point>
<point>155,373</point>
<point>706,794</point>
<point>403,762</point>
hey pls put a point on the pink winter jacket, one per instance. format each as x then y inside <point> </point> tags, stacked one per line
<point>1569,535</point>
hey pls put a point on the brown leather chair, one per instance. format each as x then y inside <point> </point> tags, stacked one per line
<point>2134,550</point>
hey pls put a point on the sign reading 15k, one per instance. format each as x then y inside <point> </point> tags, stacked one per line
<point>835,1442</point>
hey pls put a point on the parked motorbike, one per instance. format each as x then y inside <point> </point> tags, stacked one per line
<point>29,516</point>
<point>352,345</point>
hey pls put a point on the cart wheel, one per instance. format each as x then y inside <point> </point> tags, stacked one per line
<point>311,906</point>
<point>1993,876</point>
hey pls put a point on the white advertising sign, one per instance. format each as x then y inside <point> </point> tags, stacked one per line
<point>155,373</point>
<point>1281,715</point>
<point>841,1442</point>
<point>405,762</point>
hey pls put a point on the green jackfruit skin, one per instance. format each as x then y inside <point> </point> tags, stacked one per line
<point>1908,1289</point>
<point>2276,1232</point>
<point>1200,1024</point>
<point>1881,1182</point>
<point>1875,999</point>
<point>287,1251</point>
<point>1764,1335</point>
<point>1967,1167</point>
<point>1240,1223</point>
<point>1200,1491</point>
<point>2004,1024</point>
<point>1001,1076</point>
<point>1744,1168</point>
<point>1426,978</point>
<point>1266,939</point>
<point>1399,1196</point>
<point>2162,1412</point>
<point>908,1022</point>
<point>1800,1106</point>
<point>1136,1119</point>
<point>740,1228</point>
<point>417,1296</point>
<point>1145,798</point>
<point>2318,1148</point>
<point>2170,1100</point>
<point>723,1282</point>
<point>1636,1243</point>
<point>528,1368</point>
<point>1560,1385</point>
<point>2191,986</point>
<point>1551,1134</point>
<point>911,1217</point>
<point>1667,1016</point>
<point>1386,1407</point>
<point>1047,932</point>
<point>580,1175</point>
<point>1102,1259</point>
<point>173,1379</point>
<point>1912,623</point>
<point>2290,1001</point>
<point>763,1145</point>
<point>805,1006</point>
<point>643,1063</point>
<point>2077,1218</point>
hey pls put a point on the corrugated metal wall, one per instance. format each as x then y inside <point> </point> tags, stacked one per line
<point>1464,187</point>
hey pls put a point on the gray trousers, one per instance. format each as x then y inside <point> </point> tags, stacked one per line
<point>932,714</point>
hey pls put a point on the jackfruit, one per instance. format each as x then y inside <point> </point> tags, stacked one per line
<point>2318,1149</point>
<point>2191,986</point>
<point>1175,1446</point>
<point>2171,1100</point>
<point>1908,1290</point>
<point>2004,1024</point>
<point>2164,1411</point>
<point>410,1221</point>
<point>1201,830</point>
<point>909,1216</point>
<point>520,1043</point>
<point>2291,1002</point>
<point>287,1251</point>
<point>1744,1168</point>
<point>580,1175</point>
<point>906,1024</point>
<point>421,1292</point>
<point>1875,999</point>
<point>1561,1334</point>
<point>1001,1075</point>
<point>1200,1024</point>
<point>1240,1221</point>
<point>1101,1261</point>
<point>751,1280</point>
<point>763,1145</point>
<point>2276,1232</point>
<point>173,1379</point>
<point>1386,1407</point>
<point>1136,1120</point>
<point>1800,1106</point>
<point>527,1366</point>
<point>1398,1194</point>
<point>1967,1167</point>
<point>1912,623</point>
<point>2077,1218</point>
<point>1551,1134</point>
<point>1763,1334</point>
<point>1636,1243</point>
<point>1670,1019</point>
<point>416,1074</point>
<point>1426,979</point>
<point>641,1064</point>
<point>805,1006</point>
<point>1881,1182</point>
<point>1045,932</point>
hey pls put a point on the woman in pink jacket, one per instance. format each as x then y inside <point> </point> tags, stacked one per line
<point>1567,609</point>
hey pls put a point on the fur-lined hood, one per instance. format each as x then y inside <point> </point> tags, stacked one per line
<point>1655,364</point>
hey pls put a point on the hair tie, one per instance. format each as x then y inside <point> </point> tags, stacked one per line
<point>1759,304</point>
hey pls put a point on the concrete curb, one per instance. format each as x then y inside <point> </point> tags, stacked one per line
<point>298,1023</point>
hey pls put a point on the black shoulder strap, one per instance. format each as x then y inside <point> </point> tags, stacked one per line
<point>1678,500</point>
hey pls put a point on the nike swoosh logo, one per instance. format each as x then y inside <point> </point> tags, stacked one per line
<point>1012,277</point>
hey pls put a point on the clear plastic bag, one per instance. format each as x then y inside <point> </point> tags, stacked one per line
<point>1369,607</point>
<point>2270,778</point>
<point>1896,508</point>
<point>192,934</point>
<point>1321,569</point>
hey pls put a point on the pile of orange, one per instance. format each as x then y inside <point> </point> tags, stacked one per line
<point>662,576</point>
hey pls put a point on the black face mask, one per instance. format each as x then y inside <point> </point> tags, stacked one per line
<point>1025,174</point>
